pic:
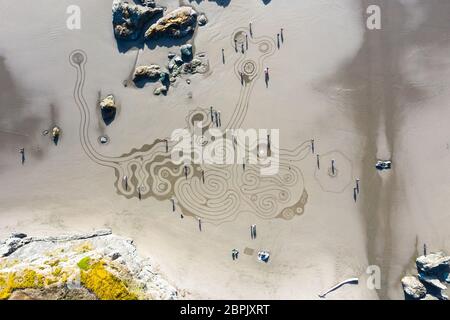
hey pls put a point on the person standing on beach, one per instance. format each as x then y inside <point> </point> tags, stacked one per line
<point>253,231</point>
<point>267,77</point>
<point>125,181</point>
<point>22,155</point>
<point>186,171</point>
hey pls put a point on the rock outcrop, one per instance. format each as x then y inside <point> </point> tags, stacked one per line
<point>96,265</point>
<point>413,287</point>
<point>152,72</point>
<point>433,261</point>
<point>108,109</point>
<point>186,52</point>
<point>187,63</point>
<point>129,20</point>
<point>144,74</point>
<point>176,24</point>
<point>202,20</point>
<point>430,283</point>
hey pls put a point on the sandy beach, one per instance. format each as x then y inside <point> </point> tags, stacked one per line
<point>361,94</point>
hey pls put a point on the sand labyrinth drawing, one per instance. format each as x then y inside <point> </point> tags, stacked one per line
<point>227,190</point>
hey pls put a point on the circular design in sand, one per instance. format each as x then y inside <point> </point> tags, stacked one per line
<point>214,192</point>
<point>333,173</point>
<point>264,47</point>
<point>78,57</point>
<point>249,67</point>
<point>240,37</point>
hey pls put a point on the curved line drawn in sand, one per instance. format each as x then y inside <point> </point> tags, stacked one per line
<point>214,193</point>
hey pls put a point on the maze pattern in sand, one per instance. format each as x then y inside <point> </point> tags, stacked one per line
<point>227,190</point>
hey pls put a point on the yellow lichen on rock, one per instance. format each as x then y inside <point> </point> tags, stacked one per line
<point>104,284</point>
<point>26,279</point>
<point>84,247</point>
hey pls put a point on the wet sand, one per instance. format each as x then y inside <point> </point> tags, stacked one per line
<point>366,94</point>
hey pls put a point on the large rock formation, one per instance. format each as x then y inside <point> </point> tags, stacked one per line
<point>433,261</point>
<point>413,287</point>
<point>143,74</point>
<point>176,24</point>
<point>129,19</point>
<point>108,109</point>
<point>430,283</point>
<point>96,265</point>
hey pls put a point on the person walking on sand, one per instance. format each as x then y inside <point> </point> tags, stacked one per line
<point>253,231</point>
<point>125,181</point>
<point>186,171</point>
<point>22,155</point>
